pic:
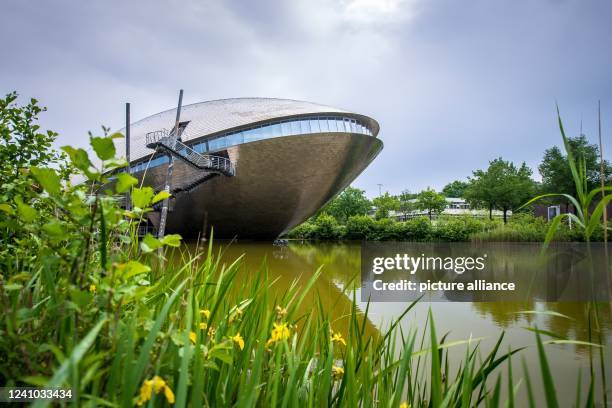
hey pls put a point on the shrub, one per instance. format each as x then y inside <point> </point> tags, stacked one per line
<point>417,229</point>
<point>307,230</point>
<point>326,227</point>
<point>525,228</point>
<point>457,229</point>
<point>359,227</point>
<point>383,230</point>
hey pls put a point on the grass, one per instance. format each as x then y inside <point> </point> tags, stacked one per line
<point>158,330</point>
<point>88,305</point>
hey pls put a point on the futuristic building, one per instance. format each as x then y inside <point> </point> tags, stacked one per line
<point>269,164</point>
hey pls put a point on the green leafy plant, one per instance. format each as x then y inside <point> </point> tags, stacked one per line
<point>588,221</point>
<point>87,304</point>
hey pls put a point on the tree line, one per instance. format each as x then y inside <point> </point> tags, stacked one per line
<point>503,186</point>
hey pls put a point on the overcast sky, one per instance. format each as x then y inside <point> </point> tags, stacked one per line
<point>453,84</point>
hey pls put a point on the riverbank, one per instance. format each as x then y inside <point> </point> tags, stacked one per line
<point>120,320</point>
<point>520,228</point>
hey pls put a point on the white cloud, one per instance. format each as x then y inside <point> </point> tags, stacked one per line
<point>378,11</point>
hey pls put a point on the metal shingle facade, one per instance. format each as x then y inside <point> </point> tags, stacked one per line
<point>213,117</point>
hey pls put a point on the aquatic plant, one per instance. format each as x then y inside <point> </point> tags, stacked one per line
<point>89,305</point>
<point>589,213</point>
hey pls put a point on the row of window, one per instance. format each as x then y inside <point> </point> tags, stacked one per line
<point>284,128</point>
<point>158,161</point>
<point>320,124</point>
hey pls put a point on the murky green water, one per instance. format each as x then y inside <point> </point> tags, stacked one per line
<point>461,320</point>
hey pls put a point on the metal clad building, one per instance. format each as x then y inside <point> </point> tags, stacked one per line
<point>291,157</point>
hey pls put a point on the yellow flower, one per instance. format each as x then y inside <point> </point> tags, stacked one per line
<point>337,372</point>
<point>145,392</point>
<point>92,288</point>
<point>192,337</point>
<point>169,394</point>
<point>279,332</point>
<point>211,332</point>
<point>203,326</point>
<point>404,405</point>
<point>205,313</point>
<point>239,341</point>
<point>337,338</point>
<point>156,384</point>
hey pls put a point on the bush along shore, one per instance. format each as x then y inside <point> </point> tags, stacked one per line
<point>89,306</point>
<point>521,227</point>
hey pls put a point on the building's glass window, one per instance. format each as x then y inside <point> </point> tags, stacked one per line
<point>286,128</point>
<point>314,126</point>
<point>296,129</point>
<point>276,130</point>
<point>218,143</point>
<point>299,126</point>
<point>347,125</point>
<point>333,124</point>
<point>265,132</point>
<point>234,139</point>
<point>323,125</point>
<point>251,135</point>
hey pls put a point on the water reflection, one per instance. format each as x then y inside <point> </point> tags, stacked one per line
<point>566,271</point>
<point>295,264</point>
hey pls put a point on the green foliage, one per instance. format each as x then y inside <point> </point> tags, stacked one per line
<point>524,228</point>
<point>458,229</point>
<point>383,230</point>
<point>306,230</point>
<point>124,182</point>
<point>359,227</point>
<point>68,253</point>
<point>22,144</point>
<point>557,175</point>
<point>589,213</point>
<point>415,229</point>
<point>48,179</point>
<point>384,204</point>
<point>503,186</point>
<point>86,307</point>
<point>327,227</point>
<point>352,201</point>
<point>104,147</point>
<point>430,201</point>
<point>455,189</point>
<point>406,204</point>
<point>521,227</point>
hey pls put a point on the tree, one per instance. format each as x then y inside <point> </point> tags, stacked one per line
<point>384,204</point>
<point>455,189</point>
<point>502,185</point>
<point>406,202</point>
<point>430,201</point>
<point>556,173</point>
<point>352,201</point>
<point>22,144</point>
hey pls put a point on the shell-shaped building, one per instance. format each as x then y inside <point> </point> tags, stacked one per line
<point>288,159</point>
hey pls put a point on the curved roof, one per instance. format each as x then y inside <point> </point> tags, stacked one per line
<point>213,117</point>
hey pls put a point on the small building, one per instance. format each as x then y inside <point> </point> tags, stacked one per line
<point>455,207</point>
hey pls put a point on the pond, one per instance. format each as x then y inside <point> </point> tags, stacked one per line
<point>483,321</point>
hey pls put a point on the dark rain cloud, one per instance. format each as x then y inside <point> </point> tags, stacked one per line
<point>453,84</point>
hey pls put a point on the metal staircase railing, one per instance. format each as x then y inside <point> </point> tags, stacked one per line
<point>167,141</point>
